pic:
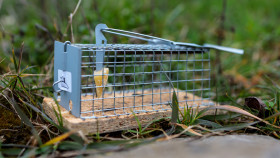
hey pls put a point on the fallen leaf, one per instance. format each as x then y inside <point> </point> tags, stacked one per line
<point>257,104</point>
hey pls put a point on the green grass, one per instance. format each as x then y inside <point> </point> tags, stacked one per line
<point>27,69</point>
<point>48,137</point>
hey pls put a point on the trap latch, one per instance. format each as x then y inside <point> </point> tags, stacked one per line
<point>61,82</point>
<point>67,71</point>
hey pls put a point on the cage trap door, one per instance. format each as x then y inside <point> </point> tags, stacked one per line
<point>67,76</point>
<point>100,41</point>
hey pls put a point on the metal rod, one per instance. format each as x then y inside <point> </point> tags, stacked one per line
<point>146,83</point>
<point>115,59</point>
<point>130,62</point>
<point>134,35</point>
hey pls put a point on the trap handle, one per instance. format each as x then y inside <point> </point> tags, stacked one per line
<point>148,38</point>
<point>157,40</point>
<point>226,49</point>
<point>212,46</point>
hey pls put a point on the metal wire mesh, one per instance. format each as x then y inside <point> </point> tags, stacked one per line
<point>141,78</point>
<point>103,80</point>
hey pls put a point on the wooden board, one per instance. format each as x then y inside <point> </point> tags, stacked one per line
<point>119,103</point>
<point>124,122</point>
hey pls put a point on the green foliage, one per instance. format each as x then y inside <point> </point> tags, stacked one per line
<point>24,103</point>
<point>58,113</point>
<point>146,131</point>
<point>251,25</point>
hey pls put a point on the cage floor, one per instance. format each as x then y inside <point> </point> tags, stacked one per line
<point>135,102</point>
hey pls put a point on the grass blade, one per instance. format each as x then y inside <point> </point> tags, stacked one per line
<point>58,114</point>
<point>62,129</point>
<point>241,111</point>
<point>154,121</point>
<point>234,127</point>
<point>20,57</point>
<point>189,129</point>
<point>14,60</point>
<point>175,108</point>
<point>138,122</point>
<point>220,117</point>
<point>70,145</point>
<point>58,139</point>
<point>207,123</point>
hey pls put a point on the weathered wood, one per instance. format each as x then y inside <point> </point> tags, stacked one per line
<point>109,124</point>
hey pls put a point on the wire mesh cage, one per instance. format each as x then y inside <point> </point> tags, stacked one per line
<point>104,80</point>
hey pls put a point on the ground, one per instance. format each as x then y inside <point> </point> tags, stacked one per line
<point>230,146</point>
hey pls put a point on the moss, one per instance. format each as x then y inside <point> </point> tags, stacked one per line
<point>11,128</point>
<point>8,119</point>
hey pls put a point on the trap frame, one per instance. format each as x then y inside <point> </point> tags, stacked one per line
<point>105,80</point>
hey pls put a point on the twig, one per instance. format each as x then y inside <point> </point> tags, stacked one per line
<point>20,57</point>
<point>32,138</point>
<point>70,21</point>
<point>38,26</point>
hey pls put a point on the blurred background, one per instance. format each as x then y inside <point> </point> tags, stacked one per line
<point>252,25</point>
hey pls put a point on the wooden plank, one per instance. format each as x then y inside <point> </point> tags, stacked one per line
<point>110,124</point>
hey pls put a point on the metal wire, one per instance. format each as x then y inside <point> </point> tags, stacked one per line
<point>137,79</point>
<point>141,78</point>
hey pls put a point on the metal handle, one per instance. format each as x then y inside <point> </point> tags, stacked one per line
<point>148,38</point>
<point>153,40</point>
<point>55,83</point>
<point>212,46</point>
<point>227,49</point>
